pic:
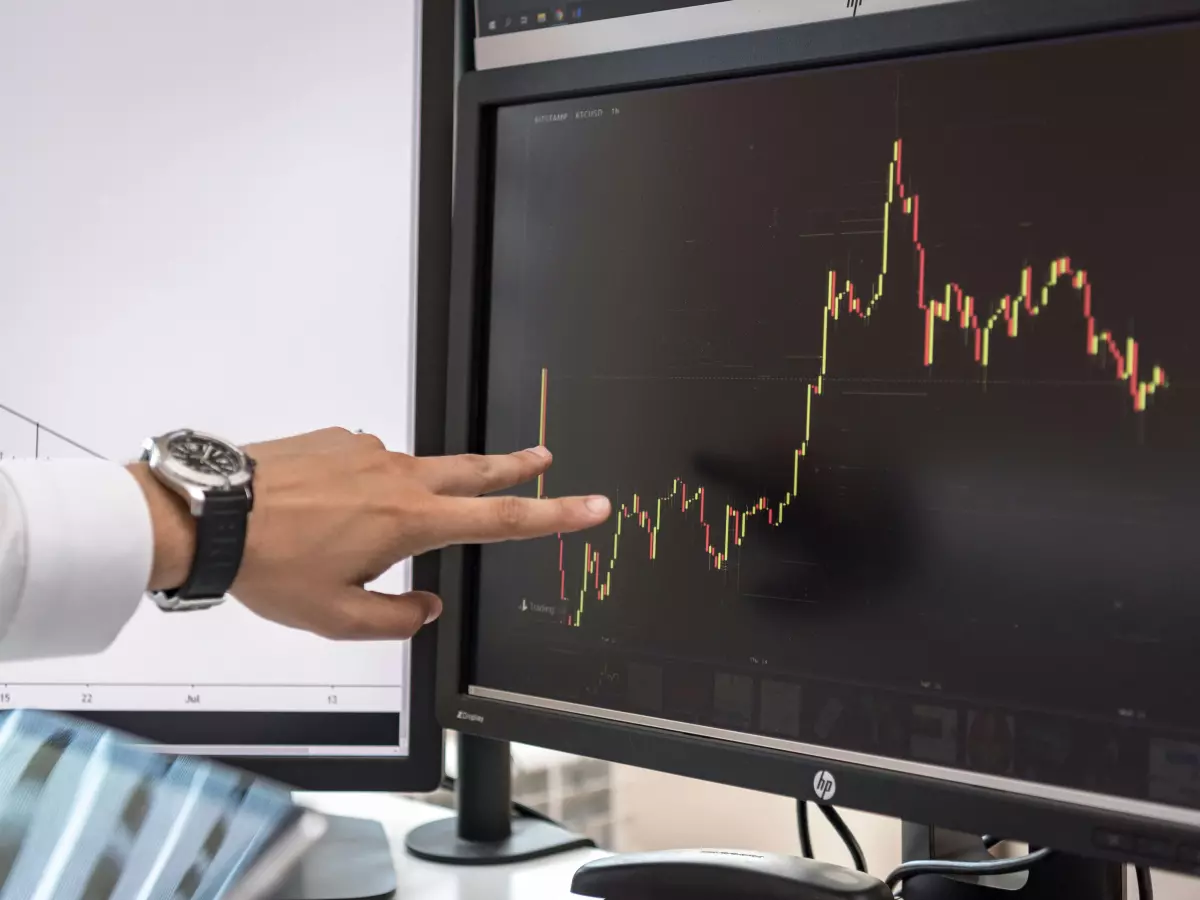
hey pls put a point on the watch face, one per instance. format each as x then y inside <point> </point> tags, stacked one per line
<point>201,454</point>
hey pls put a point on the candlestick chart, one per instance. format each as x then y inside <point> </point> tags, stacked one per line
<point>889,373</point>
<point>717,531</point>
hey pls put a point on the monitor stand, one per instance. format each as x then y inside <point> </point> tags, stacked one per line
<point>353,861</point>
<point>1059,876</point>
<point>485,833</point>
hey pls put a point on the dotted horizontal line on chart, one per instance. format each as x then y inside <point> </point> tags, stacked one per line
<point>802,379</point>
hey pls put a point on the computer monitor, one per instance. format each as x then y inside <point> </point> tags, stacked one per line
<point>519,32</point>
<point>878,335</point>
<point>271,170</point>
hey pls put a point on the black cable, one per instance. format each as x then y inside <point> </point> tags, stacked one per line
<point>950,867</point>
<point>528,812</point>
<point>847,836</point>
<point>1145,883</point>
<point>805,836</point>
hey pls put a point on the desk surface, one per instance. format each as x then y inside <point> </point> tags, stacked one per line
<point>544,879</point>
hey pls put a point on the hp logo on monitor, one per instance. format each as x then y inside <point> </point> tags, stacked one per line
<point>824,785</point>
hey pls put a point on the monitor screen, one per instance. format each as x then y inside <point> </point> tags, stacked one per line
<point>516,32</point>
<point>175,173</point>
<point>886,370</point>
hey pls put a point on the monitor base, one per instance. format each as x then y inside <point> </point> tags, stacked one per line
<point>485,833</point>
<point>353,861</point>
<point>528,839</point>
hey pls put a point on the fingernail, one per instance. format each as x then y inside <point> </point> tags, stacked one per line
<point>435,612</point>
<point>539,451</point>
<point>597,505</point>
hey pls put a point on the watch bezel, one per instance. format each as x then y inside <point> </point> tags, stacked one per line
<point>190,483</point>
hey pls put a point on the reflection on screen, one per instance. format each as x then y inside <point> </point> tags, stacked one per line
<point>86,815</point>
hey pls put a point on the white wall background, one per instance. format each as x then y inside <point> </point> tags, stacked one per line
<point>206,215</point>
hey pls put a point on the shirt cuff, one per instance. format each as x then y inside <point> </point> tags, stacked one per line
<point>89,547</point>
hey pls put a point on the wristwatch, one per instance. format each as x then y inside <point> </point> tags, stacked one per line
<point>216,479</point>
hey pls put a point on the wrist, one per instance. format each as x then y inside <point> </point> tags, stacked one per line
<point>174,531</point>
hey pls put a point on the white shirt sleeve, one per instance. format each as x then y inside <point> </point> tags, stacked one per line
<point>76,547</point>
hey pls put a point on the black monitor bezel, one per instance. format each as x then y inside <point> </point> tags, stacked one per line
<point>963,25</point>
<point>421,770</point>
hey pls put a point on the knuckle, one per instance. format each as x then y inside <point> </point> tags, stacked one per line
<point>368,442</point>
<point>398,464</point>
<point>510,512</point>
<point>333,438</point>
<point>484,466</point>
<point>408,625</point>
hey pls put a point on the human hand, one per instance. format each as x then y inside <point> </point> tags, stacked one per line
<point>334,510</point>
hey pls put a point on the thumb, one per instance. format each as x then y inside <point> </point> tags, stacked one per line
<point>370,615</point>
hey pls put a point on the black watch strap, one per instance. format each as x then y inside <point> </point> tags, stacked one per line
<point>220,542</point>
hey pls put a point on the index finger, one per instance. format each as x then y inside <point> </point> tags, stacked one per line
<point>486,520</point>
<point>469,475</point>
